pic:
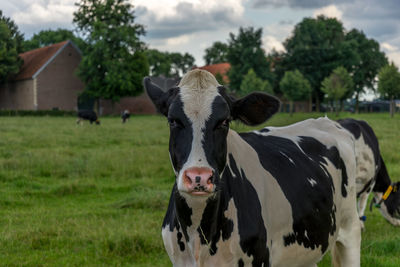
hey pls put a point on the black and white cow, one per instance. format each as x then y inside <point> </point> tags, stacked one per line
<point>89,115</point>
<point>274,197</point>
<point>125,116</point>
<point>372,175</point>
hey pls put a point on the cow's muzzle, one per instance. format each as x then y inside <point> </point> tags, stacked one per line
<point>198,181</point>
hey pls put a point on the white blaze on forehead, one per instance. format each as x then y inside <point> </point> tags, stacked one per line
<point>198,89</point>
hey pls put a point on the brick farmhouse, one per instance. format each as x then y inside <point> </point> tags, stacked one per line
<point>46,81</point>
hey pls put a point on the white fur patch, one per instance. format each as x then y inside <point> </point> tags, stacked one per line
<point>198,89</point>
<point>312,181</point>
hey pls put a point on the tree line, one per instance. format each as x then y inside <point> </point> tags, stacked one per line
<point>322,61</point>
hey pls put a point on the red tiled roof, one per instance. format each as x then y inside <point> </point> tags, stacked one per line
<point>35,59</point>
<point>221,68</point>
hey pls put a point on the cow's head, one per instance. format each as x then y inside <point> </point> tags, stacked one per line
<point>199,112</point>
<point>392,203</point>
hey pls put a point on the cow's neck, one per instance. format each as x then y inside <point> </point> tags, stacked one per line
<point>189,212</point>
<point>199,219</point>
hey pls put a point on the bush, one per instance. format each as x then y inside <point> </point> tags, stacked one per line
<point>55,113</point>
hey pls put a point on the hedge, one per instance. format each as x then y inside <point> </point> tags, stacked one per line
<point>56,113</point>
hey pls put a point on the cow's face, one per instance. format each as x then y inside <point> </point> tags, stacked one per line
<point>199,112</point>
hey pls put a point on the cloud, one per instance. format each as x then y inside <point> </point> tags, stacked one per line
<point>392,49</point>
<point>330,11</point>
<point>379,20</point>
<point>272,43</point>
<point>275,35</point>
<point>372,9</point>
<point>181,40</point>
<point>35,15</point>
<point>311,4</point>
<point>168,19</point>
<point>192,43</point>
<point>395,57</point>
<point>52,12</point>
<point>389,47</point>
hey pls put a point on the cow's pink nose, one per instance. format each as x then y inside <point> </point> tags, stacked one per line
<point>198,180</point>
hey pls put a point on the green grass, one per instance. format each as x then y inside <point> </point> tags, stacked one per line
<point>96,195</point>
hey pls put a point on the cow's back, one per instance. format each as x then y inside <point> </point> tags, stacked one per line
<point>303,175</point>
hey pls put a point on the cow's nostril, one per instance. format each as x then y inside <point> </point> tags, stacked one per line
<point>188,180</point>
<point>209,181</point>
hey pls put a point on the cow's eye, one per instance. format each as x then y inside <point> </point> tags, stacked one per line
<point>223,124</point>
<point>173,123</point>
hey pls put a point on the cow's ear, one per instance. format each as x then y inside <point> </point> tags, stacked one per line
<point>160,99</point>
<point>255,108</point>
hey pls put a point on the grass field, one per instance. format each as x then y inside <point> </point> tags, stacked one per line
<point>96,195</point>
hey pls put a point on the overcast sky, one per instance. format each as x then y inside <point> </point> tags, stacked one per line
<point>193,25</point>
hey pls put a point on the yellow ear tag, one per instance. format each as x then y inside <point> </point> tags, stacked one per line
<point>387,193</point>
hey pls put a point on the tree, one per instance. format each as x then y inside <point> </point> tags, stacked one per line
<point>220,78</point>
<point>316,48</point>
<point>181,63</point>
<point>217,53</point>
<point>49,37</point>
<point>169,64</point>
<point>295,87</point>
<point>160,62</point>
<point>278,67</point>
<point>370,61</point>
<point>389,84</point>
<point>252,83</point>
<point>245,53</point>
<point>14,32</point>
<point>338,84</point>
<point>10,62</point>
<point>113,65</point>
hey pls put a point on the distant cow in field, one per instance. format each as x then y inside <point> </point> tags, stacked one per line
<point>372,175</point>
<point>125,116</point>
<point>280,196</point>
<point>89,115</point>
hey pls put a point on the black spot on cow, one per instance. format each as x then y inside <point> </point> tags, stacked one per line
<point>240,263</point>
<point>183,213</point>
<point>314,220</point>
<point>252,232</point>
<point>345,178</point>
<point>214,224</point>
<point>215,132</point>
<point>178,209</point>
<point>180,242</point>
<point>181,134</point>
